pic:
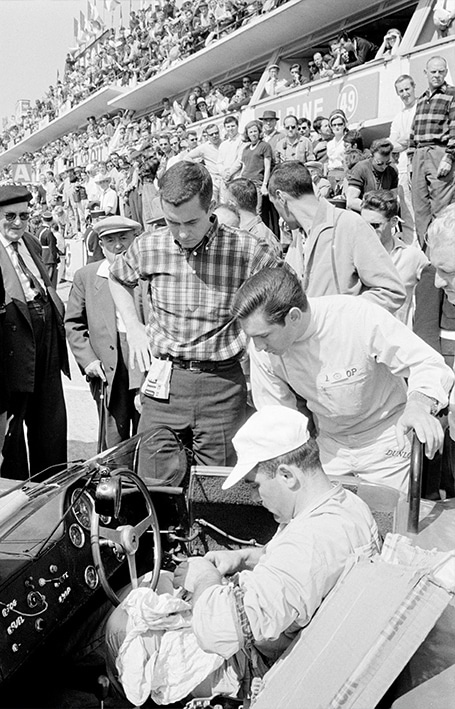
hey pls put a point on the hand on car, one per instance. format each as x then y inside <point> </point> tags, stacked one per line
<point>427,427</point>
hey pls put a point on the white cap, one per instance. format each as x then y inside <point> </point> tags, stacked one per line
<point>268,433</point>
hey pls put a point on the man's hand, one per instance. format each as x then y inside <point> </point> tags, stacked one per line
<point>444,167</point>
<point>139,346</point>
<point>427,427</point>
<point>196,572</point>
<point>264,190</point>
<point>95,369</point>
<point>227,562</point>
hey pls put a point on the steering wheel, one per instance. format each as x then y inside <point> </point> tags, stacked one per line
<point>126,537</point>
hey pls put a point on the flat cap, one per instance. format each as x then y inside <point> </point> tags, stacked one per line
<point>47,216</point>
<point>12,194</point>
<point>115,225</point>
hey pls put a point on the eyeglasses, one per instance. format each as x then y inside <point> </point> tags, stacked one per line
<point>290,127</point>
<point>12,216</point>
<point>337,124</point>
<point>213,135</point>
<point>376,225</point>
<point>381,163</point>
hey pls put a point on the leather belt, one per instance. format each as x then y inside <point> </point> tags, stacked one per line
<point>198,365</point>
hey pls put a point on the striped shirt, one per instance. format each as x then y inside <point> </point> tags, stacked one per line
<point>434,120</point>
<point>191,290</point>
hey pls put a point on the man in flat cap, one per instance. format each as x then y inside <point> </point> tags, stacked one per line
<point>276,589</point>
<point>97,335</point>
<point>35,347</point>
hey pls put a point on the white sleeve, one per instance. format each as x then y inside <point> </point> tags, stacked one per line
<point>407,355</point>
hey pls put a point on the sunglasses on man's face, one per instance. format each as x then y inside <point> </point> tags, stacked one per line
<point>12,216</point>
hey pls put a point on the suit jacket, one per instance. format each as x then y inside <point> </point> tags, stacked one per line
<point>20,346</point>
<point>91,325</point>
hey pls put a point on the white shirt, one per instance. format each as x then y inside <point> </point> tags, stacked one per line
<point>409,261</point>
<point>298,568</point>
<point>400,130</point>
<point>350,365</point>
<point>29,293</point>
<point>109,201</point>
<point>230,156</point>
<point>103,272</point>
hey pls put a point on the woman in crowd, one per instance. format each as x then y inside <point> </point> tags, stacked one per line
<point>336,150</point>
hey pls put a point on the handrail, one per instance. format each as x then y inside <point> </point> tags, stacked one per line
<point>415,485</point>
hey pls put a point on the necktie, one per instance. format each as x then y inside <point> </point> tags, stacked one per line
<point>32,279</point>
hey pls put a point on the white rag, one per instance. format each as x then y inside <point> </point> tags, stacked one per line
<point>160,656</point>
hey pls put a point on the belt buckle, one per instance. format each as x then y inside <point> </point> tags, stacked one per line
<point>192,365</point>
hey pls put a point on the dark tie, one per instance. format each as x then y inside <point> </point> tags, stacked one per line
<point>32,279</point>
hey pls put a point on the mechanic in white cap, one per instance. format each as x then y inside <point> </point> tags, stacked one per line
<point>276,588</point>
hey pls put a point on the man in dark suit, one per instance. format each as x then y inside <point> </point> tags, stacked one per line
<point>35,346</point>
<point>97,336</point>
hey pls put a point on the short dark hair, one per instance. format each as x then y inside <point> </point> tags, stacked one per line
<point>381,146</point>
<point>292,177</point>
<point>185,180</point>
<point>318,122</point>
<point>245,193</point>
<point>274,291</point>
<point>354,138</point>
<point>305,457</point>
<point>383,201</point>
<point>230,119</point>
<point>305,120</point>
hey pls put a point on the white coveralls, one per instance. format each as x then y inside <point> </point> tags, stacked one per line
<point>350,366</point>
<point>298,568</point>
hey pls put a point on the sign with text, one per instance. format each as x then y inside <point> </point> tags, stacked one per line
<point>23,172</point>
<point>320,99</point>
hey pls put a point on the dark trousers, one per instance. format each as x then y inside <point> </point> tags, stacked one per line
<point>120,417</point>
<point>42,411</point>
<point>205,409</point>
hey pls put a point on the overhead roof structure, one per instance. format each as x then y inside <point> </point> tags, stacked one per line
<point>246,49</point>
<point>73,120</point>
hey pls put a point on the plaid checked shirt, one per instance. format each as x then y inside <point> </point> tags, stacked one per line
<point>191,290</point>
<point>434,120</point>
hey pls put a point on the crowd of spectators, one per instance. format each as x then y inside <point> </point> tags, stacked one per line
<point>157,38</point>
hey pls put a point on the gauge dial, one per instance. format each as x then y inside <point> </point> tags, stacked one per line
<point>91,577</point>
<point>82,505</point>
<point>77,536</point>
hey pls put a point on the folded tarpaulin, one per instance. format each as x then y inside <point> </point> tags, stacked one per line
<point>360,639</point>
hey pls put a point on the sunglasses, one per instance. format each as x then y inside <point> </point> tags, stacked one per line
<point>290,127</point>
<point>376,225</point>
<point>212,135</point>
<point>337,124</point>
<point>12,216</point>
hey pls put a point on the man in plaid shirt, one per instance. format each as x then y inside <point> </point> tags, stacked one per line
<point>194,267</point>
<point>432,148</point>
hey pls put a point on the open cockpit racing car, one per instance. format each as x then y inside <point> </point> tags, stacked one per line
<point>81,535</point>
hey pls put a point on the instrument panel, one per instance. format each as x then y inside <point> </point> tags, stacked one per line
<point>44,582</point>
